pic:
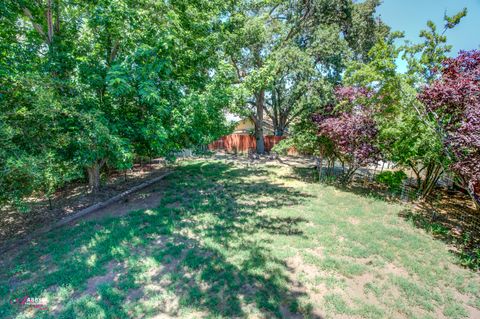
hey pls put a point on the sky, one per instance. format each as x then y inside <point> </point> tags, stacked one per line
<point>411,16</point>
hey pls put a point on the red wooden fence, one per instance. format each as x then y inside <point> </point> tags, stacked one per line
<point>241,143</point>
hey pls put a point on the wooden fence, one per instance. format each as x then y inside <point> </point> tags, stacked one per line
<point>242,143</point>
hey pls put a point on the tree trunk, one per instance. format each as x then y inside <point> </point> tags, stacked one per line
<point>279,122</point>
<point>474,196</point>
<point>259,123</point>
<point>49,21</point>
<point>418,176</point>
<point>319,168</point>
<point>331,167</point>
<point>94,175</point>
<point>432,175</point>
<point>348,175</point>
<point>279,126</point>
<point>279,131</point>
<point>259,139</point>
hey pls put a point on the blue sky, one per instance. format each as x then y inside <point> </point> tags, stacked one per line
<point>411,16</point>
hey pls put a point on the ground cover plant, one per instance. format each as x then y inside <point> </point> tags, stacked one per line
<point>229,240</point>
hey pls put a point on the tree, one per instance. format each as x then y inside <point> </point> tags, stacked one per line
<point>423,59</point>
<point>352,130</point>
<point>302,81</point>
<point>453,101</point>
<point>87,84</point>
<point>250,37</point>
<point>405,137</point>
<point>412,142</point>
<point>285,53</point>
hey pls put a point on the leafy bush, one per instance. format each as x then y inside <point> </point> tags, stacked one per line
<point>283,146</point>
<point>393,180</point>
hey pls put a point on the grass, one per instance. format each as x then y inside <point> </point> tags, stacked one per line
<point>230,241</point>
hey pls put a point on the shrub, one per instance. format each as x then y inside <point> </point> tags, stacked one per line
<point>283,146</point>
<point>393,180</point>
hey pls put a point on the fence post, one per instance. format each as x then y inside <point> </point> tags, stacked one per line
<point>404,195</point>
<point>374,171</point>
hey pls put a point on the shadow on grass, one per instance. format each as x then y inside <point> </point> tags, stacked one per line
<point>359,186</point>
<point>452,223</point>
<point>205,251</point>
<point>446,215</point>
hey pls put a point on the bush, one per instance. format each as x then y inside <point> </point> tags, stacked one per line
<point>393,180</point>
<point>283,146</point>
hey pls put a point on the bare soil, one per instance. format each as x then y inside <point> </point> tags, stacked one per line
<point>15,225</point>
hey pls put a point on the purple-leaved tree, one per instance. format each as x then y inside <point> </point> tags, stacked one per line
<point>454,101</point>
<point>351,128</point>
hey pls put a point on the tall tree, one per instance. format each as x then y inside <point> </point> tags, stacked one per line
<point>95,83</point>
<point>251,34</point>
<point>454,102</point>
<point>311,62</point>
<point>404,137</point>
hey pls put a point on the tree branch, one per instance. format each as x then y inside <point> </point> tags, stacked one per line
<point>240,74</point>
<point>48,15</point>
<point>294,116</point>
<point>269,114</point>
<point>114,51</point>
<point>35,25</point>
<point>295,29</point>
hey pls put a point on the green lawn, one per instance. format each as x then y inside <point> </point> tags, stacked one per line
<point>233,241</point>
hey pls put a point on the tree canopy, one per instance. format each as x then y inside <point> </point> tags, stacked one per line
<point>86,85</point>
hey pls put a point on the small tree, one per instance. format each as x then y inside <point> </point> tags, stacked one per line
<point>352,130</point>
<point>406,136</point>
<point>454,102</point>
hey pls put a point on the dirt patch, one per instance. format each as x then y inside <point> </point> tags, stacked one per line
<point>15,225</point>
<point>356,287</point>
<point>148,198</point>
<point>353,220</point>
<point>395,270</point>
<point>466,301</point>
<point>94,282</point>
<point>297,266</point>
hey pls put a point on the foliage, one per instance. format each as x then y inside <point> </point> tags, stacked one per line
<point>88,84</point>
<point>454,102</point>
<point>424,59</point>
<point>353,135</point>
<point>351,128</point>
<point>283,146</point>
<point>405,136</point>
<point>305,140</point>
<point>393,180</point>
<point>287,56</point>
